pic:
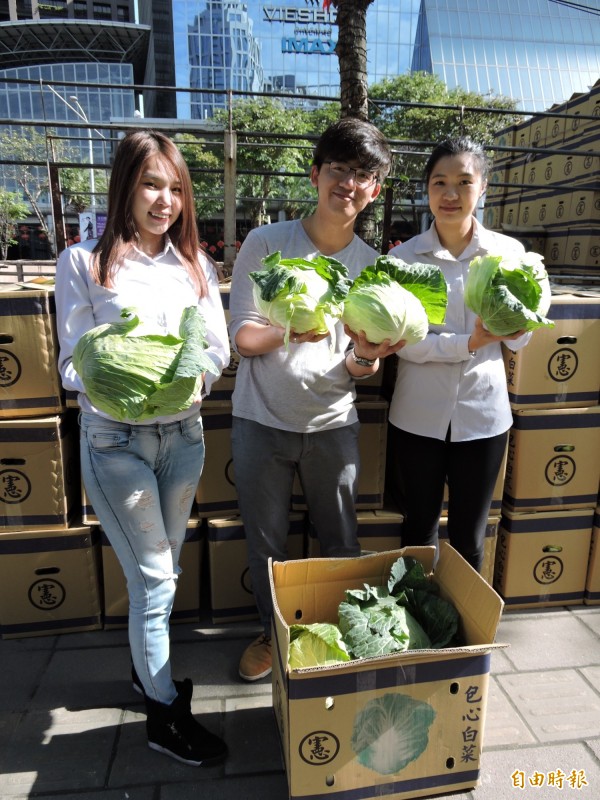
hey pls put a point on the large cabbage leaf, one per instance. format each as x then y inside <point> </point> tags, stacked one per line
<point>139,377</point>
<point>316,644</point>
<point>301,294</point>
<point>391,731</point>
<point>509,293</point>
<point>406,614</point>
<point>394,300</point>
<point>425,281</point>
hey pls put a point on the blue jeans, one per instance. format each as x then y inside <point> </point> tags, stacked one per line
<point>265,461</point>
<point>141,481</point>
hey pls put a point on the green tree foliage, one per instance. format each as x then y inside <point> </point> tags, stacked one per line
<point>31,176</point>
<point>12,209</point>
<point>438,113</point>
<point>276,163</point>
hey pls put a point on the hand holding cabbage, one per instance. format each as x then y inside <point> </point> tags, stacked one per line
<point>139,377</point>
<point>509,293</point>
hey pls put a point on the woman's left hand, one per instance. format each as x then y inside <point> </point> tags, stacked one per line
<point>366,349</point>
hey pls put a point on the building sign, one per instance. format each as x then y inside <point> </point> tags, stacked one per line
<point>312,28</point>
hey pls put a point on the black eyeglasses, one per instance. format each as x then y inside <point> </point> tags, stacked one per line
<point>361,177</point>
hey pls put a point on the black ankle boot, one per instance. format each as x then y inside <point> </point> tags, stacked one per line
<point>174,731</point>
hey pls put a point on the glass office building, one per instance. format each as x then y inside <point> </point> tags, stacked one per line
<point>536,51</point>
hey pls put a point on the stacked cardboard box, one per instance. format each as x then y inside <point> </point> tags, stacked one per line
<point>49,562</point>
<point>553,469</point>
<point>557,198</point>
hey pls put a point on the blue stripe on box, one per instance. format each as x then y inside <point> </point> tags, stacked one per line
<point>213,422</point>
<point>400,787</point>
<point>558,597</point>
<point>27,306</point>
<point>225,613</point>
<point>550,503</point>
<point>585,398</point>
<point>51,625</point>
<point>558,523</point>
<point>48,544</point>
<point>388,677</point>
<point>574,310</point>
<point>34,402</point>
<point>555,421</point>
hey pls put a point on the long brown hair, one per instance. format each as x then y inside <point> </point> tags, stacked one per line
<point>120,232</point>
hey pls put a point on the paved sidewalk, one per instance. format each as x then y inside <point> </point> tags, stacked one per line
<point>72,727</point>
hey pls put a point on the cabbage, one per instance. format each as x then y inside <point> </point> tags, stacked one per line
<point>301,294</point>
<point>140,377</point>
<point>393,300</point>
<point>509,293</point>
<point>315,645</point>
<point>391,731</point>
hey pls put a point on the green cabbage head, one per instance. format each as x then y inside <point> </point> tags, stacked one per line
<point>301,294</point>
<point>394,300</point>
<point>316,644</point>
<point>391,731</point>
<point>138,377</point>
<point>509,293</point>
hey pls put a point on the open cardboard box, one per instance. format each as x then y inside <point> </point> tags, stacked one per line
<point>318,710</point>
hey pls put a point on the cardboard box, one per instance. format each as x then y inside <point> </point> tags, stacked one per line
<point>30,384</point>
<point>372,442</point>
<point>555,247</point>
<point>539,127</point>
<point>231,596</point>
<point>216,494</point>
<point>547,208</point>
<point>489,545</point>
<point>541,558</point>
<point>317,709</point>
<point>559,368</point>
<point>583,250</point>
<point>582,167</point>
<point>553,459</point>
<point>378,530</point>
<point>585,207</point>
<point>186,607</point>
<point>49,582</point>
<point>222,389</point>
<point>39,472</point>
<point>555,126</point>
<point>591,595</point>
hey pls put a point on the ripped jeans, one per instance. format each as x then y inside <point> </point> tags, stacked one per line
<point>141,481</point>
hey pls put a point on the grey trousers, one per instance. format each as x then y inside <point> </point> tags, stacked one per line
<point>265,461</point>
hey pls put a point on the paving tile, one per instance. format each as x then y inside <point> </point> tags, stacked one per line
<point>553,640</point>
<point>589,615</point>
<point>503,725</point>
<point>557,705</point>
<point>499,765</point>
<point>21,673</point>
<point>58,750</point>
<point>252,736</point>
<point>266,787</point>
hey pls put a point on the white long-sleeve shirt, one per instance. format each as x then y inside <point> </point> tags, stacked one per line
<point>158,288</point>
<point>438,383</point>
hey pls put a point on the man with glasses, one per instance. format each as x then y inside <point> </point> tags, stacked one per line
<point>293,407</point>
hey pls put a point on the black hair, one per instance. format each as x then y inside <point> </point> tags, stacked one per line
<point>353,139</point>
<point>456,147</point>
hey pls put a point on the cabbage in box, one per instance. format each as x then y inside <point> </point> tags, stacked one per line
<point>405,725</point>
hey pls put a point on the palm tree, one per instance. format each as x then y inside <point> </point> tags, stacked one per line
<point>351,50</point>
